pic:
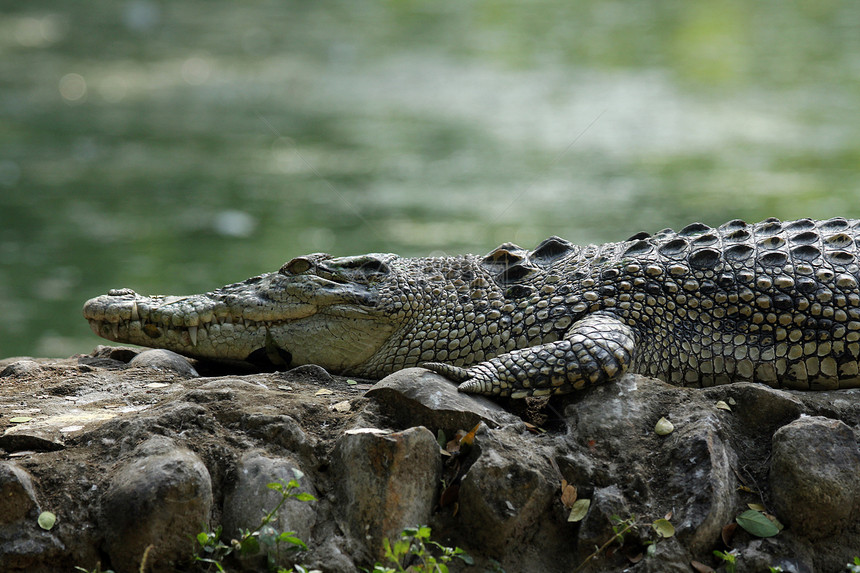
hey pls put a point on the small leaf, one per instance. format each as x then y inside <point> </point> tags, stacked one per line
<point>723,406</point>
<point>727,533</point>
<point>579,509</point>
<point>351,382</point>
<point>664,528</point>
<point>202,538</point>
<point>757,523</point>
<point>289,537</point>
<point>568,494</point>
<point>470,437</point>
<point>47,520</point>
<point>304,496</point>
<point>323,392</point>
<point>250,546</point>
<point>664,427</point>
<point>20,419</point>
<point>701,567</point>
<point>756,506</point>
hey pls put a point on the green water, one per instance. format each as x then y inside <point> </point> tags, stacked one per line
<point>172,147</point>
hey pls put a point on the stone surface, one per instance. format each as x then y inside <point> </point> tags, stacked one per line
<point>159,498</point>
<point>250,498</point>
<point>161,359</point>
<point>503,497</point>
<point>17,497</point>
<point>386,482</point>
<point>418,397</point>
<point>815,476</point>
<point>125,437</point>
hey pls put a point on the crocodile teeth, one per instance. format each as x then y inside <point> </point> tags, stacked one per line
<point>192,332</point>
<point>115,330</point>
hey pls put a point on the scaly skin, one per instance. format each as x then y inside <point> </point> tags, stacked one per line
<point>774,302</point>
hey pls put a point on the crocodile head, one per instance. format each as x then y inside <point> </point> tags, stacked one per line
<point>335,312</point>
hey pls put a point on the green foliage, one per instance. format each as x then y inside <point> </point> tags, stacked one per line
<point>729,557</point>
<point>854,567</point>
<point>757,523</point>
<point>411,553</point>
<point>251,542</point>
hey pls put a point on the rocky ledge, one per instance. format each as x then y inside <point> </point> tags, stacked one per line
<point>135,454</point>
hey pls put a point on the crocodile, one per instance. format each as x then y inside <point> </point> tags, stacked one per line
<point>772,302</point>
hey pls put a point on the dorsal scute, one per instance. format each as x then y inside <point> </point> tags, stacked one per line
<point>550,250</point>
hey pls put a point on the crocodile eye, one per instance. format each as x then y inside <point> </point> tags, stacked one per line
<point>296,266</point>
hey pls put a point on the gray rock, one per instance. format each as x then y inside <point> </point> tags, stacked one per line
<point>815,476</point>
<point>701,486</point>
<point>418,397</point>
<point>161,497</point>
<point>505,494</point>
<point>23,545</point>
<point>17,496</point>
<point>250,498</point>
<point>281,430</point>
<point>607,505</point>
<point>164,360</point>
<point>26,437</point>
<point>20,368</point>
<point>761,554</point>
<point>385,482</point>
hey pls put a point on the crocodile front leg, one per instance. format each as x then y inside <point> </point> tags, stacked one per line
<point>596,349</point>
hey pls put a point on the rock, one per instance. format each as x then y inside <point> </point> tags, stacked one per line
<point>17,497</point>
<point>250,498</point>
<point>815,476</point>
<point>758,407</point>
<point>160,498</point>
<point>419,397</point>
<point>282,430</point>
<point>504,496</point>
<point>23,545</point>
<point>20,368</point>
<point>762,554</point>
<point>700,486</point>
<point>35,438</point>
<point>608,506</point>
<point>385,482</point>
<point>164,360</point>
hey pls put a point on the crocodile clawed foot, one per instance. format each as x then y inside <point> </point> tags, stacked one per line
<point>453,373</point>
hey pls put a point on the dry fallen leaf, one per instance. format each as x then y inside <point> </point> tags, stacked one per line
<point>728,533</point>
<point>701,567</point>
<point>664,427</point>
<point>323,392</point>
<point>470,437</point>
<point>723,406</point>
<point>568,494</point>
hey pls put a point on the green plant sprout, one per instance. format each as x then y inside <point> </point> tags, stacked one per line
<point>213,551</point>
<point>410,553</point>
<point>730,558</point>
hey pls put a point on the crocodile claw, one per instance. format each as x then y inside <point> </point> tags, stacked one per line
<point>453,373</point>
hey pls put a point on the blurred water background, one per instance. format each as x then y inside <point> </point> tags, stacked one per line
<point>172,147</point>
